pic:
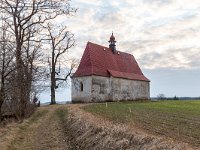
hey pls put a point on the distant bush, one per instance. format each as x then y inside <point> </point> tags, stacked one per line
<point>161,97</point>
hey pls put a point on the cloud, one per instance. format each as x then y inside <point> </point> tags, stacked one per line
<point>159,33</point>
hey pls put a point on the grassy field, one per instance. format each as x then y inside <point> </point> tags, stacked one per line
<point>175,119</point>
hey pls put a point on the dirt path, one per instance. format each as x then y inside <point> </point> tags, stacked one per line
<point>43,131</point>
<point>63,127</point>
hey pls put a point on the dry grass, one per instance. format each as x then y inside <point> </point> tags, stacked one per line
<point>44,130</point>
<point>9,133</point>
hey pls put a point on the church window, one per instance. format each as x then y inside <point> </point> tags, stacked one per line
<point>81,86</point>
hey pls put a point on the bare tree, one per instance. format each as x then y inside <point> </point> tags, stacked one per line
<point>6,63</point>
<point>24,18</point>
<point>61,41</point>
<point>161,97</point>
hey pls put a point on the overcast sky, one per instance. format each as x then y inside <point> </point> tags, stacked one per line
<point>163,35</point>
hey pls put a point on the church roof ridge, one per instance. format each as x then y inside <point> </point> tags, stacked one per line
<point>101,61</point>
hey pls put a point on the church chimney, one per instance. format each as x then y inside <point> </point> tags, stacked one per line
<point>112,42</point>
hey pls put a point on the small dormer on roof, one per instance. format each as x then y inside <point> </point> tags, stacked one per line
<point>112,44</point>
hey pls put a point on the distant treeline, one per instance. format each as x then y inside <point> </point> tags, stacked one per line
<point>175,98</point>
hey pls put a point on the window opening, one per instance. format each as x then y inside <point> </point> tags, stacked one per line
<point>81,86</point>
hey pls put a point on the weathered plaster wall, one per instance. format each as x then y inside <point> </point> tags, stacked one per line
<point>98,89</point>
<point>123,89</point>
<point>77,94</point>
<point>101,87</point>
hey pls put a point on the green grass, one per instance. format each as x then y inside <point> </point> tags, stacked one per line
<point>175,119</point>
<point>37,115</point>
<point>61,113</point>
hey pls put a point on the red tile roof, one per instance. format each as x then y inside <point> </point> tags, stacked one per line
<point>101,61</point>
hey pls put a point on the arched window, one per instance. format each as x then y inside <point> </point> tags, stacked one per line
<point>81,86</point>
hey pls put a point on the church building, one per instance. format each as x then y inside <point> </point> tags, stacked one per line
<point>107,74</point>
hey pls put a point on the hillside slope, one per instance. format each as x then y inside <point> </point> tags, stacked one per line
<point>89,131</point>
<point>65,127</point>
<point>179,120</point>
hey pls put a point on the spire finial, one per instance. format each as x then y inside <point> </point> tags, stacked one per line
<point>112,42</point>
<point>112,38</point>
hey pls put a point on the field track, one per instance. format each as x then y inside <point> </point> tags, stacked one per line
<point>63,127</point>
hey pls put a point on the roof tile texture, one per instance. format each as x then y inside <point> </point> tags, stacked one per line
<point>100,60</point>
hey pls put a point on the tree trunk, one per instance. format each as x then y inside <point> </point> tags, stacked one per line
<point>2,84</point>
<point>2,96</point>
<point>53,84</point>
<point>1,103</point>
<point>20,87</point>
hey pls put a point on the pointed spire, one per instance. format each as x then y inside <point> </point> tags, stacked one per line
<point>112,42</point>
<point>112,37</point>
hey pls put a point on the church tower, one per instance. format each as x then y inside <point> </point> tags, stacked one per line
<point>112,44</point>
